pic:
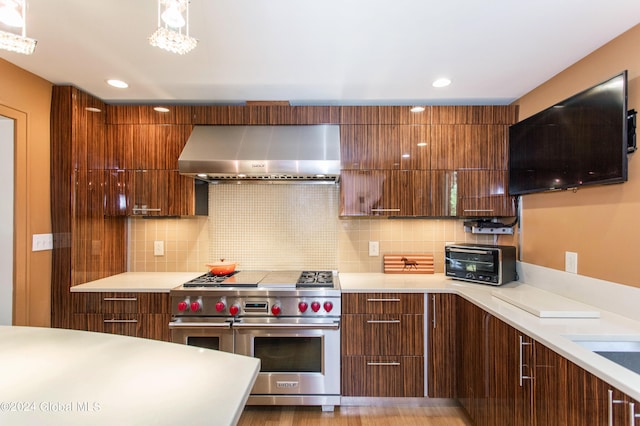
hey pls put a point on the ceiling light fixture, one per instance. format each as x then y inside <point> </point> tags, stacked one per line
<point>441,82</point>
<point>169,35</point>
<point>117,83</point>
<point>12,14</point>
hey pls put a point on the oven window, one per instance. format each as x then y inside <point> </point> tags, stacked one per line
<point>207,342</point>
<point>289,354</point>
<point>471,262</point>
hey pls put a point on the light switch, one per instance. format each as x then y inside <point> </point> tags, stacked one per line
<point>42,242</point>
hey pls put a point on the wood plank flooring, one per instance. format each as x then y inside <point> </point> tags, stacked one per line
<point>354,416</point>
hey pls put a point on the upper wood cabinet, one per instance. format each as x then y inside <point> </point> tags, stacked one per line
<point>385,193</point>
<point>145,146</point>
<point>470,146</point>
<point>264,115</point>
<point>145,114</point>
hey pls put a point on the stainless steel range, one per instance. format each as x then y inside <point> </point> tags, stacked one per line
<point>288,319</point>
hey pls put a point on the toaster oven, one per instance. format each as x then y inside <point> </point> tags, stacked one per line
<point>481,263</point>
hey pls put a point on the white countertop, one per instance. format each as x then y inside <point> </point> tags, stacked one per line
<point>153,282</point>
<point>554,333</point>
<point>69,377</point>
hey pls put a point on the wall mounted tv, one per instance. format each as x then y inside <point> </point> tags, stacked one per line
<point>580,141</point>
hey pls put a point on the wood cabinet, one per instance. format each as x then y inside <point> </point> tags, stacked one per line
<point>144,315</point>
<point>442,347</point>
<point>382,344</point>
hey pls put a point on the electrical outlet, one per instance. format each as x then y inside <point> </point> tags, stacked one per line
<point>158,248</point>
<point>571,262</point>
<point>374,248</point>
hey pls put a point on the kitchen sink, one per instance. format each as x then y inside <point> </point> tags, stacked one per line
<point>623,352</point>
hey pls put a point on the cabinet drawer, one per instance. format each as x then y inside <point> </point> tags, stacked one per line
<point>123,324</point>
<point>95,303</point>
<point>378,334</point>
<point>383,303</point>
<point>398,376</point>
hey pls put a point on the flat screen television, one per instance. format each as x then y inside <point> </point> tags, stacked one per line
<point>580,141</point>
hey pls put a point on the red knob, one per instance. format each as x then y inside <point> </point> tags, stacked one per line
<point>195,306</point>
<point>302,306</point>
<point>220,306</point>
<point>328,306</point>
<point>315,306</point>
<point>275,310</point>
<point>234,309</point>
<point>182,306</point>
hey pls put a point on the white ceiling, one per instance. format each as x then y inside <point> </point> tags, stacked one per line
<point>339,52</point>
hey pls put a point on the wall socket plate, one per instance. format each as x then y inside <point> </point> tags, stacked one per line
<point>42,242</point>
<point>374,248</point>
<point>571,262</point>
<point>158,248</point>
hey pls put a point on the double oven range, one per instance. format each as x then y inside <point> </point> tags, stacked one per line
<point>288,319</point>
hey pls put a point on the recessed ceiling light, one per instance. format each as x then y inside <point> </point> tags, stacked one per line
<point>161,109</point>
<point>417,109</point>
<point>117,83</point>
<point>441,82</point>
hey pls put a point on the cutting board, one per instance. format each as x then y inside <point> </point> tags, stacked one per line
<point>408,263</point>
<point>545,304</point>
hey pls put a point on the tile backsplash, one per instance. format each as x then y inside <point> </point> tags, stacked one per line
<point>285,227</point>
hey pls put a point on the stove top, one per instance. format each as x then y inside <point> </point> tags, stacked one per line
<point>265,279</point>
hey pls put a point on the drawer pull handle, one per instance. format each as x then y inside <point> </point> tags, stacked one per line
<point>521,361</point>
<point>383,300</point>
<point>383,321</point>
<point>120,299</point>
<point>383,364</point>
<point>119,321</point>
<point>141,209</point>
<point>385,210</point>
<point>612,401</point>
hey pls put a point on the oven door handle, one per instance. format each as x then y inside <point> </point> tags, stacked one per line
<point>199,324</point>
<point>288,326</point>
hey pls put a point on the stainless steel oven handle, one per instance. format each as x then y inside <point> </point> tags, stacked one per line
<point>459,250</point>
<point>267,326</point>
<point>199,324</point>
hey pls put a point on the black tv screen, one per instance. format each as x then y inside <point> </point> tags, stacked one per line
<point>579,141</point>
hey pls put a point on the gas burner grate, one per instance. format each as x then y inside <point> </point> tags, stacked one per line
<point>208,280</point>
<point>315,279</point>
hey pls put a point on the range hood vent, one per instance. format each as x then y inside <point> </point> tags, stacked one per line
<point>263,154</point>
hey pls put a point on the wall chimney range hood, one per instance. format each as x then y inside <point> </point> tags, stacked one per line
<point>263,154</point>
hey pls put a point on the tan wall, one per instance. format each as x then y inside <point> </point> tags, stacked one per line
<point>26,98</point>
<point>599,223</point>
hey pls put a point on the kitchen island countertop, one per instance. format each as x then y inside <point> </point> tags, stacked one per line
<point>70,377</point>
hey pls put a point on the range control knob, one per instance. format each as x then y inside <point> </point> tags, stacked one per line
<point>315,306</point>
<point>195,306</point>
<point>328,306</point>
<point>220,306</point>
<point>276,310</point>
<point>234,309</point>
<point>302,306</point>
<point>182,306</point>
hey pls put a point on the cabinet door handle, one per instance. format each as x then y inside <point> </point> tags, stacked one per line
<point>383,300</point>
<point>385,210</point>
<point>119,321</point>
<point>632,414</point>
<point>120,299</point>
<point>610,408</point>
<point>478,210</point>
<point>383,364</point>
<point>433,309</point>
<point>140,209</point>
<point>521,364</point>
<point>383,321</point>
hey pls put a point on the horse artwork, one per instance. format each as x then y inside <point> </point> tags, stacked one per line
<point>408,263</point>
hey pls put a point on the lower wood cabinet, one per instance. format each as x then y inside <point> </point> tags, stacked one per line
<point>442,346</point>
<point>145,315</point>
<point>382,344</point>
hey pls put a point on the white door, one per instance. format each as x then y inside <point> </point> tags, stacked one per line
<point>6,219</point>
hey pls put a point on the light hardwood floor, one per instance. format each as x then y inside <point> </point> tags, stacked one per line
<point>354,416</point>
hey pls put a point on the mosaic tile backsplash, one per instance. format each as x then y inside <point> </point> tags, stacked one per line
<point>285,227</point>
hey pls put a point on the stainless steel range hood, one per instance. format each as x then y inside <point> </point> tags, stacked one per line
<point>269,154</point>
